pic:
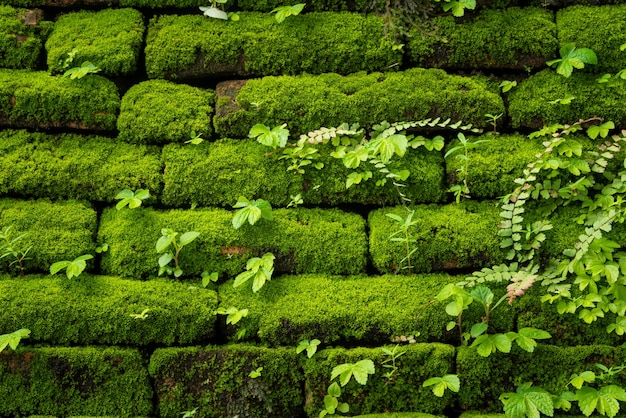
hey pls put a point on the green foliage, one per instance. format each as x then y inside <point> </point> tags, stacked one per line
<point>527,401</point>
<point>251,211</point>
<point>54,231</point>
<point>274,138</point>
<point>233,315</point>
<point>213,11</point>
<point>21,34</point>
<point>440,384</point>
<point>193,46</point>
<point>391,356</point>
<point>507,85</point>
<point>42,100</point>
<point>404,230</point>
<point>309,346</point>
<point>131,199</point>
<point>359,370</point>
<point>331,402</point>
<point>74,167</point>
<point>366,99</point>
<point>283,12</point>
<point>458,7</point>
<point>571,58</point>
<point>11,248</point>
<point>159,112</point>
<point>79,72</point>
<point>110,39</point>
<point>260,270</point>
<point>75,381</point>
<point>217,379</point>
<point>463,172</point>
<point>72,268</point>
<point>170,247</point>
<point>102,311</point>
<point>13,339</point>
<point>510,38</point>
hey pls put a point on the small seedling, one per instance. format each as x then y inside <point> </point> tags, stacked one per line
<point>189,414</point>
<point>234,315</point>
<point>208,278</point>
<point>142,315</point>
<point>440,384</point>
<point>457,7</point>
<point>390,361</point>
<point>360,370</point>
<point>309,346</point>
<point>573,58</point>
<point>251,211</point>
<point>9,247</point>
<point>259,270</point>
<point>283,12</point>
<point>275,138</point>
<point>79,72</point>
<point>72,268</point>
<point>213,11</point>
<point>131,199</point>
<point>255,373</point>
<point>194,139</point>
<point>403,234</point>
<point>13,339</point>
<point>493,120</point>
<point>564,101</point>
<point>103,248</point>
<point>295,201</point>
<point>167,240</point>
<point>507,85</point>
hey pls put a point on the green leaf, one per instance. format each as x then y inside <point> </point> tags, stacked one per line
<point>283,12</point>
<point>58,266</point>
<point>440,384</point>
<point>360,370</point>
<point>274,138</point>
<point>188,237</point>
<point>528,401</point>
<point>330,403</point>
<point>578,380</point>
<point>334,390</point>
<point>13,339</point>
<point>165,259</point>
<point>478,329</point>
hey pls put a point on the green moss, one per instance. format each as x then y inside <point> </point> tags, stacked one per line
<point>24,3</point>
<point>509,38</point>
<point>21,33</point>
<point>405,393</point>
<point>601,28</point>
<point>307,102</point>
<point>447,237</point>
<point>197,46</point>
<point>303,241</point>
<point>38,99</point>
<point>314,5</point>
<point>484,379</point>
<point>163,3</point>
<point>158,112</point>
<point>493,165</point>
<point>398,415</point>
<point>75,167</point>
<point>110,39</point>
<point>216,381</point>
<point>56,231</point>
<point>218,173</point>
<point>74,381</point>
<point>100,310</point>
<point>530,102</point>
<point>352,310</point>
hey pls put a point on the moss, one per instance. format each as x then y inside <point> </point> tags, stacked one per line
<point>216,381</point>
<point>530,102</point>
<point>162,3</point>
<point>314,5</point>
<point>601,28</point>
<point>110,39</point>
<point>307,102</point>
<point>21,33</point>
<point>74,381</point>
<point>159,111</point>
<point>356,310</point>
<point>398,415</point>
<point>405,393</point>
<point>448,237</point>
<point>512,38</point>
<point>38,99</point>
<point>196,46</point>
<point>75,167</point>
<point>218,173</point>
<point>56,231</point>
<point>493,165</point>
<point>484,379</point>
<point>303,241</point>
<point>25,3</point>
<point>100,310</point>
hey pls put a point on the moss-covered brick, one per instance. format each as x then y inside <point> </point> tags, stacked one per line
<point>314,5</point>
<point>159,111</point>
<point>213,174</point>
<point>512,38</point>
<point>493,165</point>
<point>75,167</point>
<point>303,241</point>
<point>100,310</point>
<point>601,28</point>
<point>37,99</point>
<point>447,237</point>
<point>217,381</point>
<point>403,393</point>
<point>484,379</point>
<point>530,102</point>
<point>74,381</point>
<point>350,310</point>
<point>307,102</point>
<point>156,4</point>
<point>55,231</point>
<point>22,33</point>
<point>194,46</point>
<point>110,39</point>
<point>398,415</point>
